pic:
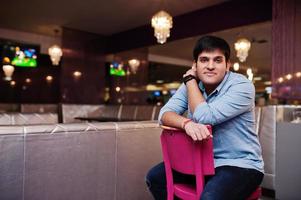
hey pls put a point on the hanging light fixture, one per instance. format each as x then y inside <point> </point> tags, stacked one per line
<point>134,64</point>
<point>8,71</point>
<point>162,23</point>
<point>242,47</point>
<point>55,52</point>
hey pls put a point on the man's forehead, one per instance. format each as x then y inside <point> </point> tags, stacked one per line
<point>211,54</point>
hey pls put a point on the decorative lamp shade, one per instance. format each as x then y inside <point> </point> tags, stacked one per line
<point>134,64</point>
<point>162,23</point>
<point>242,47</point>
<point>8,71</point>
<point>55,53</point>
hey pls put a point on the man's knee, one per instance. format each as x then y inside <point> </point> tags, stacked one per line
<point>156,176</point>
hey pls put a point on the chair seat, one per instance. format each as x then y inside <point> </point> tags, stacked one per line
<point>185,191</point>
<point>255,195</point>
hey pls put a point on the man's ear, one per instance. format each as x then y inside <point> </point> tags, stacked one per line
<point>229,65</point>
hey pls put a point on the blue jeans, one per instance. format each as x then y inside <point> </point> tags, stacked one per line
<point>229,182</point>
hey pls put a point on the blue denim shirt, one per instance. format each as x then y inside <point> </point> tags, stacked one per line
<point>230,110</point>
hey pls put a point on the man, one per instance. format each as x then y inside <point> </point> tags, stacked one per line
<point>214,95</point>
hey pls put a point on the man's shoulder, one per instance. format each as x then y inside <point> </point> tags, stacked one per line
<point>238,78</point>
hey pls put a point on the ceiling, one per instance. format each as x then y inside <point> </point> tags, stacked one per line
<point>95,16</point>
<point>259,58</point>
<point>114,16</point>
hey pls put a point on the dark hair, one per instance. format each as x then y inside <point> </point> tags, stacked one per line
<point>211,43</point>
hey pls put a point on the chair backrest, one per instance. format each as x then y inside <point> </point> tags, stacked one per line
<point>182,154</point>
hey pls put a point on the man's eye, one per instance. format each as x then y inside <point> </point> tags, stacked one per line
<point>218,60</point>
<point>203,60</point>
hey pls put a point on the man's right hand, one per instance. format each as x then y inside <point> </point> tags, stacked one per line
<point>197,131</point>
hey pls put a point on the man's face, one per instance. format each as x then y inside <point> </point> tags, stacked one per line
<point>211,67</point>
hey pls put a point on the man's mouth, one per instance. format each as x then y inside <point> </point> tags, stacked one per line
<point>210,74</point>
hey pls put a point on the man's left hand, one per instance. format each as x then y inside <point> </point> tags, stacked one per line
<point>191,71</point>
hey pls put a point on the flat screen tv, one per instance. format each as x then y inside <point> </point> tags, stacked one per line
<point>19,54</point>
<point>116,69</point>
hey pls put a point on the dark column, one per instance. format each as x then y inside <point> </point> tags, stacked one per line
<point>82,52</point>
<point>286,49</point>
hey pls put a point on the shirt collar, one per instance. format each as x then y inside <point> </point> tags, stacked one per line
<point>219,87</point>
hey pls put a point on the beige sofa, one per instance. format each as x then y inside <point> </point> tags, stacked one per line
<point>102,161</point>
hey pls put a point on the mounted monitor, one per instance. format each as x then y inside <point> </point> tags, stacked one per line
<point>19,54</point>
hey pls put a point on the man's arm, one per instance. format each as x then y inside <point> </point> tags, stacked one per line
<point>195,97</point>
<point>238,99</point>
<point>170,115</point>
<point>173,119</point>
<point>171,112</point>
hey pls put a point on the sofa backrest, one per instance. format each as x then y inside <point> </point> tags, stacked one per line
<point>78,161</point>
<point>28,118</point>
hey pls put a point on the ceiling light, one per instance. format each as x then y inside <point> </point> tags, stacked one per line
<point>162,23</point>
<point>55,52</point>
<point>134,64</point>
<point>242,47</point>
<point>8,71</point>
<point>298,74</point>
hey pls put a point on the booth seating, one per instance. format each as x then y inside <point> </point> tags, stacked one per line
<point>112,112</point>
<point>278,151</point>
<point>99,161</point>
<point>39,108</point>
<point>28,118</point>
<point>9,107</point>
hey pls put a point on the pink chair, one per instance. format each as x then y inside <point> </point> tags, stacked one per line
<point>183,155</point>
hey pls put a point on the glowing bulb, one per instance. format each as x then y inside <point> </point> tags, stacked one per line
<point>249,71</point>
<point>28,80</point>
<point>236,66</point>
<point>13,83</point>
<point>77,74</point>
<point>49,79</point>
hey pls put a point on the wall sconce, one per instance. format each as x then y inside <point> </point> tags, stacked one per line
<point>13,83</point>
<point>28,80</point>
<point>236,66</point>
<point>49,79</point>
<point>8,71</point>
<point>250,74</point>
<point>77,74</point>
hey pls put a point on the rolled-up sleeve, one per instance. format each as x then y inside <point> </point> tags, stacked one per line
<point>177,103</point>
<point>237,99</point>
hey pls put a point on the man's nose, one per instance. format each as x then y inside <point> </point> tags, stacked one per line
<point>210,65</point>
